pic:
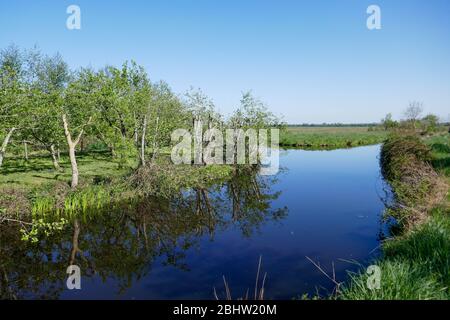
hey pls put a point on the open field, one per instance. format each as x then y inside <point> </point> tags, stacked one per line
<point>330,137</point>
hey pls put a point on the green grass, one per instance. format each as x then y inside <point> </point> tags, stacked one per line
<point>34,189</point>
<point>38,170</point>
<point>440,146</point>
<point>416,266</point>
<point>330,137</point>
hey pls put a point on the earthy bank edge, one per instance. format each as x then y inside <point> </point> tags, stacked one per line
<point>26,197</point>
<point>416,262</point>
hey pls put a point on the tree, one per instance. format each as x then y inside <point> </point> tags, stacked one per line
<point>252,113</point>
<point>123,101</point>
<point>12,95</point>
<point>167,113</point>
<point>51,76</point>
<point>412,113</point>
<point>204,116</point>
<point>77,111</point>
<point>388,123</point>
<point>140,102</point>
<point>430,123</point>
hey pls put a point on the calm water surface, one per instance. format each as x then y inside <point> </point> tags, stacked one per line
<point>326,205</point>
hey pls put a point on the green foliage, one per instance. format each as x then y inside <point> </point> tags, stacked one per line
<point>388,123</point>
<point>252,113</point>
<point>49,78</point>
<point>440,146</point>
<point>13,71</point>
<point>123,98</point>
<point>165,179</point>
<point>40,228</point>
<point>430,123</point>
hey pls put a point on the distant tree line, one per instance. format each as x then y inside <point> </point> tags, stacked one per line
<point>414,120</point>
<point>338,124</point>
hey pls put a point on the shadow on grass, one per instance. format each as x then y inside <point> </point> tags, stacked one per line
<point>441,148</point>
<point>441,164</point>
<point>11,168</point>
<point>442,161</point>
<point>40,163</point>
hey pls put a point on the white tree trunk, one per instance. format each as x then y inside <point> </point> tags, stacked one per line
<point>74,165</point>
<point>72,145</point>
<point>144,129</point>
<point>25,149</point>
<point>54,157</point>
<point>5,144</point>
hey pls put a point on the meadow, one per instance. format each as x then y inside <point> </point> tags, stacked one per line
<point>330,137</point>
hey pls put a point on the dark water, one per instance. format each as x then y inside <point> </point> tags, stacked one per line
<point>326,205</point>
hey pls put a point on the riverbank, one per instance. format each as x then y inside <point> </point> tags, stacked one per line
<point>312,138</point>
<point>416,261</point>
<point>33,191</point>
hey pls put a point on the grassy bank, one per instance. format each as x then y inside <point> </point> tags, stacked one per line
<point>32,190</point>
<point>416,262</point>
<point>330,137</point>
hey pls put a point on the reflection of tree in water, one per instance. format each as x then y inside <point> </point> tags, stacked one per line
<point>251,199</point>
<point>122,242</point>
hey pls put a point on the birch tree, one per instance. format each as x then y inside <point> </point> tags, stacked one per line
<point>77,113</point>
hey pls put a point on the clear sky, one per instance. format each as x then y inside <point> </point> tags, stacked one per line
<point>311,61</point>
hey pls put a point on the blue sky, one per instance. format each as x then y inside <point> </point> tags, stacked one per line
<point>311,61</point>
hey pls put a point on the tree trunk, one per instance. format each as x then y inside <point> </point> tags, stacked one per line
<point>155,140</point>
<point>136,134</point>
<point>54,157</point>
<point>25,149</point>
<point>5,144</point>
<point>74,165</point>
<point>144,129</point>
<point>113,151</point>
<point>72,145</point>
<point>75,248</point>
